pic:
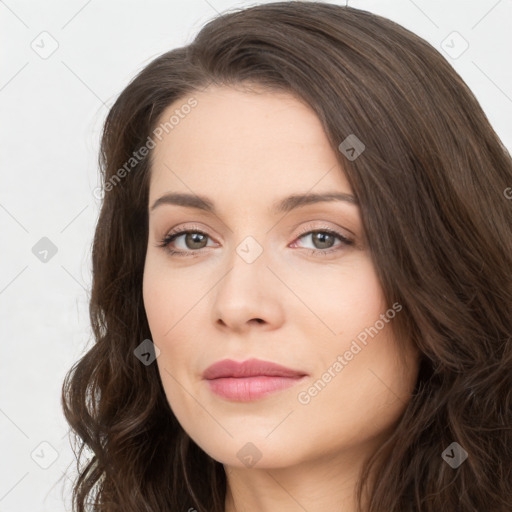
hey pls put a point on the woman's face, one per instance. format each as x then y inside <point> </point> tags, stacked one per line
<point>258,284</point>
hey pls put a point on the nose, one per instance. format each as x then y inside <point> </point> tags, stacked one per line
<point>248,294</point>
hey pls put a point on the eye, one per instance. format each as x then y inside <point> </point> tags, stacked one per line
<point>194,239</point>
<point>323,240</point>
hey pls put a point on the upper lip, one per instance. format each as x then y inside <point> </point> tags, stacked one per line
<point>249,368</point>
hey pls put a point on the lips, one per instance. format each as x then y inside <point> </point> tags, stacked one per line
<point>227,368</point>
<point>250,380</point>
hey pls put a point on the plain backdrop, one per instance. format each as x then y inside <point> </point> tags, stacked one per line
<point>63,63</point>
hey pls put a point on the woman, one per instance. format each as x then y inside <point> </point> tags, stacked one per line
<point>339,337</point>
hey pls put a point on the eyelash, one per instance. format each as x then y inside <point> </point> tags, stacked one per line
<point>164,243</point>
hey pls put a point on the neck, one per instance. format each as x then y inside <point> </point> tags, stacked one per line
<point>327,483</point>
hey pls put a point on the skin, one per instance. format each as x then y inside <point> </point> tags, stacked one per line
<point>246,149</point>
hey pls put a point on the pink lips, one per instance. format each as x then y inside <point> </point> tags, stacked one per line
<point>249,380</point>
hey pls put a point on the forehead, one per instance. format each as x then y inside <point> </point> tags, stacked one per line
<point>237,141</point>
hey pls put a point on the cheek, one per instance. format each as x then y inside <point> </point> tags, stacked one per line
<point>359,377</point>
<point>346,300</point>
<point>363,399</point>
<point>157,299</point>
<point>172,304</point>
<point>165,296</point>
<point>166,305</point>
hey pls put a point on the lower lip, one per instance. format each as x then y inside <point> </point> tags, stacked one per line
<point>246,389</point>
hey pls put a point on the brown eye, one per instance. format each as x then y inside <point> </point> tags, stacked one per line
<point>193,240</point>
<point>323,241</point>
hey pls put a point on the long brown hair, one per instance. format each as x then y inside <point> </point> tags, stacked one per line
<point>430,183</point>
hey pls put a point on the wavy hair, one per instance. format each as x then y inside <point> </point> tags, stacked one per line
<point>430,184</point>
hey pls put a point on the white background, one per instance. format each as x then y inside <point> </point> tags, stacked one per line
<point>52,110</point>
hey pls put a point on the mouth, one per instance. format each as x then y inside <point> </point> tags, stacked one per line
<point>250,380</point>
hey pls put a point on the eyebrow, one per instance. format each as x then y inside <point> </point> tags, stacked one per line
<point>282,206</point>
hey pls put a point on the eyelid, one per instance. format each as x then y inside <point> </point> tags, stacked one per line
<point>306,229</point>
<point>186,227</point>
<point>316,225</point>
<point>312,227</point>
